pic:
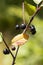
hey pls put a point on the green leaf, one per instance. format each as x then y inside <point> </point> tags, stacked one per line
<point>1,37</point>
<point>30,8</point>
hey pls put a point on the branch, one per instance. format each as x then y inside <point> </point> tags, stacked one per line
<point>26,29</point>
<point>31,19</point>
<point>16,53</point>
<point>8,47</point>
<point>9,50</point>
<point>14,57</point>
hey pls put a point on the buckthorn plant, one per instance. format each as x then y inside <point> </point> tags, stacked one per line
<point>22,32</point>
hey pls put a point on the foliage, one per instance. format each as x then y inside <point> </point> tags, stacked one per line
<point>30,8</point>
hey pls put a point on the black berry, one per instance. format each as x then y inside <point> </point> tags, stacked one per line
<point>23,26</point>
<point>6,51</point>
<point>17,26</point>
<point>33,32</point>
<point>32,29</point>
<point>13,48</point>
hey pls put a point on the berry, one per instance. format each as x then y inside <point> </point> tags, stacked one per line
<point>17,26</point>
<point>32,29</point>
<point>23,26</point>
<point>33,32</point>
<point>13,48</point>
<point>6,51</point>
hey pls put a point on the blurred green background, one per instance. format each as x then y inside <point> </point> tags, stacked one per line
<point>11,14</point>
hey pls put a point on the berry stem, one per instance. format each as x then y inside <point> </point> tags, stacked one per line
<point>23,11</point>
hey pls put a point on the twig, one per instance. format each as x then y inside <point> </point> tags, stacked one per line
<point>8,47</point>
<point>37,5</point>
<point>26,28</point>
<point>9,50</point>
<point>16,53</point>
<point>13,62</point>
<point>15,56</point>
<point>23,11</point>
<point>31,19</point>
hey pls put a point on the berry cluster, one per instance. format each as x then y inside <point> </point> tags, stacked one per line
<point>6,51</point>
<point>23,26</point>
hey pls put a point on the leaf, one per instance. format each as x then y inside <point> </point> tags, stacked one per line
<point>37,1</point>
<point>30,8</point>
<point>1,37</point>
<point>20,39</point>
